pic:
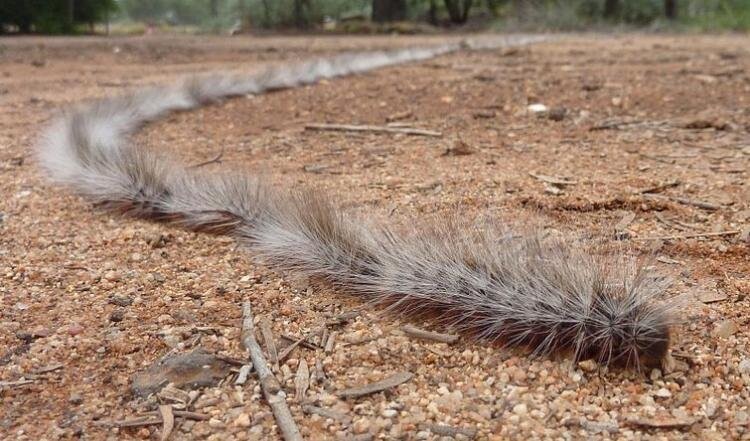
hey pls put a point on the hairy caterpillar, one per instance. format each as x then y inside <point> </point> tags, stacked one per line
<point>549,296</point>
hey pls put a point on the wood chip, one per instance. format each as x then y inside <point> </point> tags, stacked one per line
<point>328,413</point>
<point>373,129</point>
<point>301,381</point>
<point>413,331</point>
<point>662,423</point>
<point>343,318</point>
<point>709,296</point>
<point>330,342</point>
<point>399,116</point>
<point>451,431</point>
<point>165,411</point>
<point>243,374</point>
<point>622,225</point>
<point>378,386</point>
<point>553,180</point>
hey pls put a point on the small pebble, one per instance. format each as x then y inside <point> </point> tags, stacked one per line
<point>663,393</point>
<point>117,315</point>
<point>725,329</point>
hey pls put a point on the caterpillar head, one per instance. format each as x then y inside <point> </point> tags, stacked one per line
<point>638,339</point>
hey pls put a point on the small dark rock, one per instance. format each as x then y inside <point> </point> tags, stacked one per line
<point>557,113</point>
<point>186,371</point>
<point>156,240</point>
<point>29,336</point>
<point>484,114</point>
<point>117,315</point>
<point>459,148</point>
<point>120,300</point>
<point>591,87</point>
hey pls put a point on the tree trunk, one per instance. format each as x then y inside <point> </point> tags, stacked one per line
<point>71,14</point>
<point>458,10</point>
<point>301,7</point>
<point>611,8</point>
<point>214,8</point>
<point>670,9</point>
<point>267,13</point>
<point>388,10</point>
<point>432,17</point>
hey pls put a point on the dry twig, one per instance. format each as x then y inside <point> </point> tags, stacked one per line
<point>692,236</point>
<point>443,430</point>
<point>270,385</point>
<point>413,331</point>
<point>215,160</point>
<point>379,386</point>
<point>267,333</point>
<point>685,201</point>
<point>369,128</point>
<point>244,372</point>
<point>659,187</point>
<point>165,411</point>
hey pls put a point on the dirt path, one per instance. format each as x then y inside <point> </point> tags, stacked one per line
<point>89,299</point>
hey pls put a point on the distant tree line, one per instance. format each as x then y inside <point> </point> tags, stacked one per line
<point>63,16</point>
<point>53,16</point>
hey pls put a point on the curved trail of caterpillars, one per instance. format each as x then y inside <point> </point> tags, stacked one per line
<point>546,295</point>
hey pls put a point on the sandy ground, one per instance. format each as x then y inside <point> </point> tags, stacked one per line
<point>652,131</point>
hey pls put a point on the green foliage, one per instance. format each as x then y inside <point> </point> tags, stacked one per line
<point>53,16</point>
<point>587,14</point>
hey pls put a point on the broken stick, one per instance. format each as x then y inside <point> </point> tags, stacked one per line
<point>693,236</point>
<point>685,201</point>
<point>379,386</point>
<point>275,397</point>
<point>374,129</point>
<point>413,331</point>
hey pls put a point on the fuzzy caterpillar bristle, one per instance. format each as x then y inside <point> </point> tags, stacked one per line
<point>550,296</point>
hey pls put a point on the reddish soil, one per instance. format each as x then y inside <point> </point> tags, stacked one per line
<point>654,132</point>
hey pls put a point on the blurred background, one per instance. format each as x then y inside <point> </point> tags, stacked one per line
<point>365,16</point>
